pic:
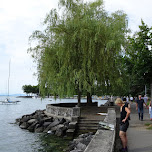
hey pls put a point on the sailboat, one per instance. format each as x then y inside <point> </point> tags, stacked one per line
<point>7,100</point>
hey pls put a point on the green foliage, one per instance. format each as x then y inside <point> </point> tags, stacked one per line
<point>139,59</point>
<point>147,124</point>
<point>30,89</point>
<point>79,50</point>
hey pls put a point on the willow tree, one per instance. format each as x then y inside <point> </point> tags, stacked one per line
<point>78,50</point>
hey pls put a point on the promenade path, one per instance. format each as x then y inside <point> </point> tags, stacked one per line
<point>139,137</point>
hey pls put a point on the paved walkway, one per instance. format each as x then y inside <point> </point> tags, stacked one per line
<point>139,137</point>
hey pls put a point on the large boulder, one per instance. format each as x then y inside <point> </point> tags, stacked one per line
<point>54,123</point>
<point>32,127</point>
<point>48,119</point>
<point>46,124</point>
<point>80,143</point>
<point>39,129</point>
<point>31,121</point>
<point>24,125</point>
<point>25,118</point>
<point>66,124</point>
<point>81,146</point>
<point>60,131</point>
<point>61,121</point>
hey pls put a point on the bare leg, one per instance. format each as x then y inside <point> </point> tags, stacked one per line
<point>123,138</point>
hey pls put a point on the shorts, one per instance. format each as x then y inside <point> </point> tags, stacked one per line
<point>124,126</point>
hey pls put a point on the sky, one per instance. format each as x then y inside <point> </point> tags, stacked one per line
<point>19,18</point>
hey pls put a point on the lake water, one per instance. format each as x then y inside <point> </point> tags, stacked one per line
<point>14,139</point>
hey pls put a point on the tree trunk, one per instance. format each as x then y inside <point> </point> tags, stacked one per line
<point>79,98</point>
<point>89,99</point>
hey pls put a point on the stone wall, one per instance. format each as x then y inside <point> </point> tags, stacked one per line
<point>71,114</point>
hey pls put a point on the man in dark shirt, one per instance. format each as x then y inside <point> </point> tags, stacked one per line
<point>140,107</point>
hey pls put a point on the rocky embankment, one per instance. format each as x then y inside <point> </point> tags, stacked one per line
<point>80,143</point>
<point>40,122</point>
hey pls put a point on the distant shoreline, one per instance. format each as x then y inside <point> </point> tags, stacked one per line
<point>24,96</point>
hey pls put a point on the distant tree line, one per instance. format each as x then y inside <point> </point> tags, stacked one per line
<point>29,89</point>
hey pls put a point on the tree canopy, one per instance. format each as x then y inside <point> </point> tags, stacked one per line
<point>80,48</point>
<point>138,59</point>
<point>30,89</point>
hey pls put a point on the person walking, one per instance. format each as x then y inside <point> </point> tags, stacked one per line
<point>150,110</point>
<point>127,99</point>
<point>145,99</point>
<point>124,123</point>
<point>131,99</point>
<point>140,107</point>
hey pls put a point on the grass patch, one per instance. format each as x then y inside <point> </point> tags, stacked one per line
<point>150,128</point>
<point>147,124</point>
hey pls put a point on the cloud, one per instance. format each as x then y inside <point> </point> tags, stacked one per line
<point>18,19</point>
<point>135,9</point>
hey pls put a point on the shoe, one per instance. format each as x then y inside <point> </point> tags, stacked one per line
<point>126,149</point>
<point>141,119</point>
<point>123,150</point>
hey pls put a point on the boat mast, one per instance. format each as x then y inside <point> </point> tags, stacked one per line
<point>9,75</point>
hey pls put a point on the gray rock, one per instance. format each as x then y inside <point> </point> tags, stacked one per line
<point>71,147</point>
<point>81,146</point>
<point>76,141</point>
<point>25,118</point>
<point>32,127</point>
<point>61,121</point>
<point>31,121</point>
<point>50,119</point>
<point>66,124</point>
<point>37,126</point>
<point>53,124</point>
<point>86,141</point>
<point>40,129</point>
<point>53,129</point>
<point>46,124</point>
<point>46,130</point>
<point>24,125</point>
<point>60,131</point>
